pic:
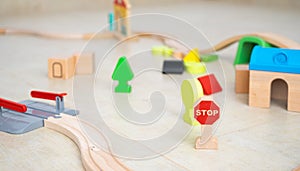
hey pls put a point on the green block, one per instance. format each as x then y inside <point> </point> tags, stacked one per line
<point>123,74</point>
<point>168,52</point>
<point>158,50</point>
<point>209,57</point>
<point>195,67</point>
<point>246,45</point>
<point>162,50</point>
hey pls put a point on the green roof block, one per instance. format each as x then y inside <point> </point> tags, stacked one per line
<point>246,45</point>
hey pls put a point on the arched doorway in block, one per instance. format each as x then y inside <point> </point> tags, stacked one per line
<point>279,93</point>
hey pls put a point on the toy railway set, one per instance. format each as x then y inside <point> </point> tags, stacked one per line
<point>261,58</point>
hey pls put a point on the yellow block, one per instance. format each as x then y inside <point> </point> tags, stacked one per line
<point>191,92</point>
<point>192,56</point>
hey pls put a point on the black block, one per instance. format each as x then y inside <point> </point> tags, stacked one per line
<point>173,67</point>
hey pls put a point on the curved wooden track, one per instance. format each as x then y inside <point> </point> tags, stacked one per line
<point>86,36</point>
<point>93,158</point>
<point>274,39</point>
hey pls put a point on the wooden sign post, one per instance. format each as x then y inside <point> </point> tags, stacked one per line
<point>206,113</point>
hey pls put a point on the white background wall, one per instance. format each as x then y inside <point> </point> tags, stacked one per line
<point>13,7</point>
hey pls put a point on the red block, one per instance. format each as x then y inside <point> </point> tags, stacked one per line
<point>210,84</point>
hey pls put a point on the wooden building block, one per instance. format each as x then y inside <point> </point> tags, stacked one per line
<point>62,68</point>
<point>195,67</point>
<point>191,91</point>
<point>122,13</point>
<point>210,84</point>
<point>242,83</point>
<point>242,78</point>
<point>162,51</point>
<point>209,57</point>
<point>192,56</point>
<point>260,88</point>
<point>297,169</point>
<point>173,67</point>
<point>84,63</point>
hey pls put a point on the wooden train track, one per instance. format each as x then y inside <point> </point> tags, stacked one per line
<point>274,39</point>
<point>93,158</point>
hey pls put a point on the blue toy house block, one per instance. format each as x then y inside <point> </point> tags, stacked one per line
<point>275,60</point>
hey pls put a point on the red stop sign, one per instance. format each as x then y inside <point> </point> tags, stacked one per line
<point>207,112</point>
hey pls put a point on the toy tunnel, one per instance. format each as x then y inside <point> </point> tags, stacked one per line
<point>246,45</point>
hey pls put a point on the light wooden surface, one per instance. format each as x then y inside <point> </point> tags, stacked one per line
<point>248,138</point>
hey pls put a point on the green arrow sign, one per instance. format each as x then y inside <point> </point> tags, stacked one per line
<point>123,74</point>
